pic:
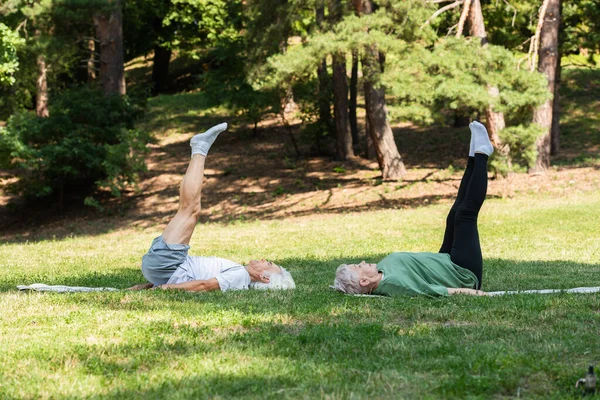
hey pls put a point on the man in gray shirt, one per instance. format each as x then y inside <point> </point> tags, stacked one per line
<point>167,264</point>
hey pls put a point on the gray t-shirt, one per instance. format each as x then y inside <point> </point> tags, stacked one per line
<point>229,274</point>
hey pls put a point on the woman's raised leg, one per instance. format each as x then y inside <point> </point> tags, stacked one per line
<point>462,189</point>
<point>466,249</point>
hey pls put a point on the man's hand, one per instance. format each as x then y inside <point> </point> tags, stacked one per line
<point>141,286</point>
<point>471,292</point>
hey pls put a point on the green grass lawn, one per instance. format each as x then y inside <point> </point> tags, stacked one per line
<point>310,342</point>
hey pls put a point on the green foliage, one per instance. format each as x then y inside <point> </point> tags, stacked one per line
<point>294,66</point>
<point>225,83</point>
<point>88,140</point>
<point>391,29</point>
<point>270,23</point>
<point>581,26</point>
<point>53,31</point>
<point>521,141</point>
<point>9,62</point>
<point>513,23</point>
<point>456,74</point>
<point>201,24</point>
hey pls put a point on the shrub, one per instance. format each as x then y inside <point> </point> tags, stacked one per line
<point>521,140</point>
<point>88,141</point>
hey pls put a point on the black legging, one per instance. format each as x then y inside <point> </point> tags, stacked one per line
<point>461,238</point>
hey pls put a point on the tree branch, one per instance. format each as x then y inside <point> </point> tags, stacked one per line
<point>515,13</point>
<point>535,45</point>
<point>60,55</point>
<point>21,25</point>
<point>463,18</point>
<point>441,10</point>
<point>453,27</point>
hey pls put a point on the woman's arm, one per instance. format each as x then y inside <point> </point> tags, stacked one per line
<point>194,286</point>
<point>471,292</point>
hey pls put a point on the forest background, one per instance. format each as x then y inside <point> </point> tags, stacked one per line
<point>327,80</point>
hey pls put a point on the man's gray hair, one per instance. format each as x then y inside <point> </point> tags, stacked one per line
<point>277,281</point>
<point>346,280</point>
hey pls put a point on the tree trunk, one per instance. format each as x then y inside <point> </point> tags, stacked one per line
<point>463,17</point>
<point>555,135</point>
<point>547,64</point>
<point>353,99</point>
<point>287,126</point>
<point>370,148</point>
<point>324,92</point>
<point>323,77</point>
<point>476,22</point>
<point>495,120</point>
<point>388,157</point>
<point>109,29</point>
<point>380,131</point>
<point>343,135</point>
<point>160,69</point>
<point>41,98</point>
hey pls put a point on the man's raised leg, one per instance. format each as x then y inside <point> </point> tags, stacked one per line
<point>181,227</point>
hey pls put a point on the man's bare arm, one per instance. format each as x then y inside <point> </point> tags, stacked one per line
<point>471,292</point>
<point>195,286</point>
<point>141,286</point>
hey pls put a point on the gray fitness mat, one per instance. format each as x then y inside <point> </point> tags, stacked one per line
<point>41,287</point>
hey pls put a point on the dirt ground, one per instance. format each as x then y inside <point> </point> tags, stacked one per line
<point>259,177</point>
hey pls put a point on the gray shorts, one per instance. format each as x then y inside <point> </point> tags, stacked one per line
<point>159,263</point>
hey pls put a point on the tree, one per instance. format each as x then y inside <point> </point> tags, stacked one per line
<point>353,99</point>
<point>162,48</point>
<point>109,29</point>
<point>344,150</point>
<point>495,120</point>
<point>380,131</point>
<point>555,129</point>
<point>48,57</point>
<point>35,19</point>
<point>324,86</point>
<point>548,28</point>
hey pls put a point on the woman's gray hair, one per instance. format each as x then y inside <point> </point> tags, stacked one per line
<point>346,280</point>
<point>277,281</point>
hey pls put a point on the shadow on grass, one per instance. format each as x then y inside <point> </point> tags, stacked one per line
<point>580,117</point>
<point>344,358</point>
<point>212,384</point>
<point>334,343</point>
<point>24,225</point>
<point>313,340</point>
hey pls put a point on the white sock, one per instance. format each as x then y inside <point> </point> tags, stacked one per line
<point>471,148</point>
<point>201,142</point>
<point>480,139</point>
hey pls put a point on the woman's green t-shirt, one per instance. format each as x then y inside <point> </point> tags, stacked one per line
<point>427,274</point>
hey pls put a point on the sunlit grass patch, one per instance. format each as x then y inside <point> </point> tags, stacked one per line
<point>310,342</point>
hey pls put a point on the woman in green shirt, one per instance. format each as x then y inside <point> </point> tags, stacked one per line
<point>457,268</point>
